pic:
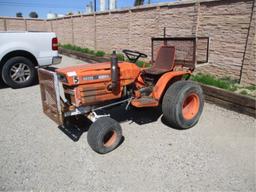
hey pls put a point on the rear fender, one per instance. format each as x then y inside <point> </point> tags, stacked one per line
<point>163,83</point>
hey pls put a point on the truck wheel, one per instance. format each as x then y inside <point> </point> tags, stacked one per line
<point>104,135</point>
<point>19,72</point>
<point>183,104</point>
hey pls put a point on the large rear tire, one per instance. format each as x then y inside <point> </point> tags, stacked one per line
<point>19,72</point>
<point>183,104</point>
<point>104,135</point>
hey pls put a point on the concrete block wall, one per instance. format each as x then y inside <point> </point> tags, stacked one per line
<point>2,25</point>
<point>229,24</point>
<point>64,30</point>
<point>22,24</point>
<point>36,25</point>
<point>16,25</point>
<point>112,31</point>
<point>248,72</point>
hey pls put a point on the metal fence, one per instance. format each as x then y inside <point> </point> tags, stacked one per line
<point>189,50</point>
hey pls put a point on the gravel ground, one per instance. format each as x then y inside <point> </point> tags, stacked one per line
<point>218,154</point>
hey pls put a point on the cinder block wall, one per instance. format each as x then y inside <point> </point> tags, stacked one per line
<point>248,71</point>
<point>229,24</point>
<point>20,24</point>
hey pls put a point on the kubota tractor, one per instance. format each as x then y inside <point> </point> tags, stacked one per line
<point>89,88</point>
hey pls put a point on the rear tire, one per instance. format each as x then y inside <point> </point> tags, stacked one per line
<point>19,72</point>
<point>104,135</point>
<point>183,104</point>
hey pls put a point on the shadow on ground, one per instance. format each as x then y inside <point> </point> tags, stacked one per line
<point>2,84</point>
<point>74,127</point>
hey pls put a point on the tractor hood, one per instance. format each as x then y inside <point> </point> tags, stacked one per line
<point>92,73</point>
<point>78,69</point>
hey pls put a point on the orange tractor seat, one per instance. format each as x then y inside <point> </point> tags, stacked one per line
<point>164,61</point>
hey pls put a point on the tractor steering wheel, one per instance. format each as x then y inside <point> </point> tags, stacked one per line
<point>133,56</point>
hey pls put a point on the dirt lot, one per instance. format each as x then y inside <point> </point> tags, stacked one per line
<point>218,154</point>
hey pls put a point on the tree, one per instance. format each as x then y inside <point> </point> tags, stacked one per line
<point>138,2</point>
<point>33,14</point>
<point>19,14</point>
<point>70,13</point>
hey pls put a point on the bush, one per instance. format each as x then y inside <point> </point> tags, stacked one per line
<point>120,57</point>
<point>142,64</point>
<point>91,52</point>
<point>100,53</point>
<point>229,79</point>
<point>212,80</point>
<point>251,87</point>
<point>76,48</point>
<point>85,50</point>
<point>66,46</point>
<point>243,92</point>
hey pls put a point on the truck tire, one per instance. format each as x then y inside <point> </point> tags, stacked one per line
<point>104,135</point>
<point>19,72</point>
<point>2,83</point>
<point>183,104</point>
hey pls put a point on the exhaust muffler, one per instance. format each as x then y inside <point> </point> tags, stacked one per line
<point>114,86</point>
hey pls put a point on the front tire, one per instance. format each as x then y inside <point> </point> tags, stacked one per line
<point>104,135</point>
<point>183,104</point>
<point>19,72</point>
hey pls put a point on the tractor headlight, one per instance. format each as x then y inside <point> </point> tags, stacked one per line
<point>62,78</point>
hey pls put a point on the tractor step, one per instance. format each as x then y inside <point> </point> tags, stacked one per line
<point>145,102</point>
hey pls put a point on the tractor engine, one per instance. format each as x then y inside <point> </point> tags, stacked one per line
<point>91,84</point>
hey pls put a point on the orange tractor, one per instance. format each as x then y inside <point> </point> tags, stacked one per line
<point>89,88</point>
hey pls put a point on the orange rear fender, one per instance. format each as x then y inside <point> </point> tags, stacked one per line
<point>163,82</point>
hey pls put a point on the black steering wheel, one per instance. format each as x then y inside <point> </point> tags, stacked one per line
<point>133,56</point>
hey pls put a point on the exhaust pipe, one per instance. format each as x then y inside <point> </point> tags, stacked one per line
<point>114,87</point>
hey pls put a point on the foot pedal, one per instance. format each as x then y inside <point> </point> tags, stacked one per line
<point>145,102</point>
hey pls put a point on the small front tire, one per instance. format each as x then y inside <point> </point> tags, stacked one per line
<point>104,135</point>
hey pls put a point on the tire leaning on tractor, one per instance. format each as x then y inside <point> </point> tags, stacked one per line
<point>104,135</point>
<point>183,104</point>
<point>19,72</point>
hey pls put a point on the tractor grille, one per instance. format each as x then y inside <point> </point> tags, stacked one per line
<point>50,95</point>
<point>188,50</point>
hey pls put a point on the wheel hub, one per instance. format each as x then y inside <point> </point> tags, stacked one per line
<point>110,138</point>
<point>20,72</point>
<point>190,106</point>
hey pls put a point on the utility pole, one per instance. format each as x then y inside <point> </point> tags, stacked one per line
<point>95,6</point>
<point>138,2</point>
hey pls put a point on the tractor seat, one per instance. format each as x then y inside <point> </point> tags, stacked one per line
<point>164,61</point>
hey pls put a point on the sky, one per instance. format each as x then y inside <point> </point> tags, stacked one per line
<point>42,7</point>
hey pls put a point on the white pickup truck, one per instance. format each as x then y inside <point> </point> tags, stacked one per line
<point>21,53</point>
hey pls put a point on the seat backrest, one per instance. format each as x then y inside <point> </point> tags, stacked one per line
<point>165,58</point>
